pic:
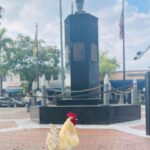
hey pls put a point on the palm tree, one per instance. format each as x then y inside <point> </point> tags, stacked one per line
<point>5,53</point>
<point>107,65</point>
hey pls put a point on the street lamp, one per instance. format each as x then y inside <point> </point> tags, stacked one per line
<point>139,54</point>
<point>61,47</point>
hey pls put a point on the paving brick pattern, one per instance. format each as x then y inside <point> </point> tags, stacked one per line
<point>27,139</point>
<point>90,139</point>
<point>111,140</point>
<point>7,124</point>
<point>140,127</point>
<point>14,113</point>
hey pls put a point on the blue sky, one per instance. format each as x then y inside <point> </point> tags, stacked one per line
<point>143,5</point>
<point>20,17</point>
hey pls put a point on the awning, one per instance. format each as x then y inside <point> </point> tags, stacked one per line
<point>14,89</point>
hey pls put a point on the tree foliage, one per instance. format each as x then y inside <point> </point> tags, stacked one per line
<point>24,62</point>
<point>107,65</point>
<point>5,52</point>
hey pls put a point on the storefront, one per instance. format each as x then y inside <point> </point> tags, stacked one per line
<point>14,90</point>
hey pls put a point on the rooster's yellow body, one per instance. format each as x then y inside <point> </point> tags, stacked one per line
<point>65,139</point>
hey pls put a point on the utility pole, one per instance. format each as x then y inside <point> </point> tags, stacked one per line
<point>61,46</point>
<point>37,56</point>
<point>122,36</point>
<point>1,77</point>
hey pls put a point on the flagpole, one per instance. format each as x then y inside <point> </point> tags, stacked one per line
<point>37,58</point>
<point>122,37</point>
<point>72,8</point>
<point>124,55</point>
<point>61,46</point>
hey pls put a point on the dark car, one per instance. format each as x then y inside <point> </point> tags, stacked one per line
<point>10,102</point>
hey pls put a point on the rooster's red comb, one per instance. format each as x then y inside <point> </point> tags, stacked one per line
<point>71,114</point>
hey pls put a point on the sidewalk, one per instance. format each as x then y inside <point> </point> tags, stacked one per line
<point>17,132</point>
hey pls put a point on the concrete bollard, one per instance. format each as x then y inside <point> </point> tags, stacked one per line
<point>106,90</point>
<point>44,93</point>
<point>34,99</point>
<point>134,98</point>
<point>121,99</point>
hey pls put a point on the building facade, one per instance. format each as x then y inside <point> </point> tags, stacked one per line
<point>116,78</point>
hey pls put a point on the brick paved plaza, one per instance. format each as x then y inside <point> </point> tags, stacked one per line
<point>17,132</point>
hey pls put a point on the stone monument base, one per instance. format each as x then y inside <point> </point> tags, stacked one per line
<point>95,114</point>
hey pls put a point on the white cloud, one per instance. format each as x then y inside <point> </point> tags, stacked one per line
<point>51,32</point>
<point>13,28</point>
<point>20,16</point>
<point>137,33</point>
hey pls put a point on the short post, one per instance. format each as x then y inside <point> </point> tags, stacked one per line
<point>44,93</point>
<point>34,98</point>
<point>134,99</point>
<point>110,91</point>
<point>106,90</point>
<point>34,94</point>
<point>147,99</point>
<point>121,98</point>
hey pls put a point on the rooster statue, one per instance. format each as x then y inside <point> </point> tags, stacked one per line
<point>66,138</point>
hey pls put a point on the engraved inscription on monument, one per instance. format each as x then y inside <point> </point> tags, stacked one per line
<point>67,57</point>
<point>93,52</point>
<point>78,51</point>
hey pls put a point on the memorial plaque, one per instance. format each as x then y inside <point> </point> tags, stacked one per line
<point>67,57</point>
<point>94,52</point>
<point>78,51</point>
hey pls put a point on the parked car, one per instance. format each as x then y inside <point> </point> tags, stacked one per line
<point>10,102</point>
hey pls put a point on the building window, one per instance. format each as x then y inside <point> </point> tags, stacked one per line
<point>94,52</point>
<point>78,51</point>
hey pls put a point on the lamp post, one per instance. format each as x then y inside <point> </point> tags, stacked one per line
<point>139,54</point>
<point>1,78</point>
<point>61,46</point>
<point>37,57</point>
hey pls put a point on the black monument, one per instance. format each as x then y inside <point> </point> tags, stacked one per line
<point>81,41</point>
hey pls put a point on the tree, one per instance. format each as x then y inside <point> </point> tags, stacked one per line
<point>48,62</point>
<point>25,62</point>
<point>107,65</point>
<point>5,55</point>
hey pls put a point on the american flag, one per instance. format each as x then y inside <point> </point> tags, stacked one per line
<point>121,23</point>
